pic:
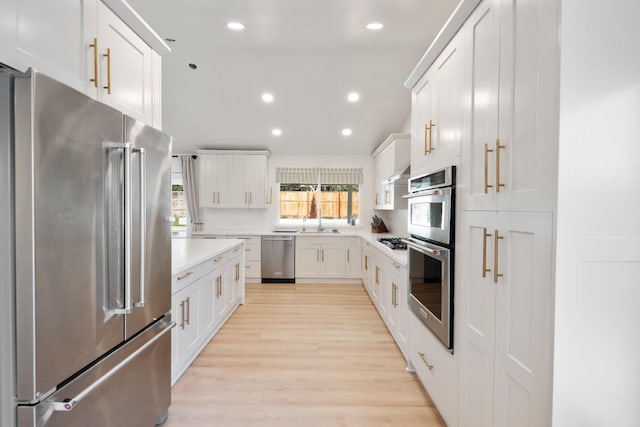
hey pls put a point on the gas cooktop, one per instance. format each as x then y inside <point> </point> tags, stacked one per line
<point>393,242</point>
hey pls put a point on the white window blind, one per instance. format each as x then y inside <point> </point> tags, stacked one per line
<point>319,175</point>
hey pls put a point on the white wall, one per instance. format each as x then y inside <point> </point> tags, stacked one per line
<point>597,312</point>
<point>266,219</point>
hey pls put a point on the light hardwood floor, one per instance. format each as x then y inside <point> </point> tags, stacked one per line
<point>302,355</point>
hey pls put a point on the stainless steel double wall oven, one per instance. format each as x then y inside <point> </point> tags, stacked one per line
<point>431,226</point>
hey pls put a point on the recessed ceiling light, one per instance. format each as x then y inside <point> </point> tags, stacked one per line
<point>276,132</point>
<point>353,97</point>
<point>193,66</point>
<point>237,26</point>
<point>346,132</point>
<point>170,40</point>
<point>374,26</point>
<point>267,97</point>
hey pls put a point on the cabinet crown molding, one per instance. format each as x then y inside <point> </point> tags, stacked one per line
<point>448,31</point>
<point>245,152</point>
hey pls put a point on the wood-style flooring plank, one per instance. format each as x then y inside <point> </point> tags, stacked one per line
<point>302,355</point>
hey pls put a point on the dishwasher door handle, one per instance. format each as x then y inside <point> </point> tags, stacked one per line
<point>277,239</point>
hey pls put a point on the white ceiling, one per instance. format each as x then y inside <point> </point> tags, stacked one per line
<point>309,53</point>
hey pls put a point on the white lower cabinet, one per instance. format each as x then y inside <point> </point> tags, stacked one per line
<point>367,267</point>
<point>395,300</point>
<point>506,354</point>
<point>354,257</point>
<point>252,268</point>
<point>203,298</point>
<point>320,257</point>
<point>436,368</point>
<point>385,281</point>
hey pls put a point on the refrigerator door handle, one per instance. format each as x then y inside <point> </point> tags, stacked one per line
<point>142,224</point>
<point>66,405</point>
<point>128,213</point>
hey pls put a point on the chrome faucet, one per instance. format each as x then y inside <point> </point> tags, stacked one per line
<point>304,223</point>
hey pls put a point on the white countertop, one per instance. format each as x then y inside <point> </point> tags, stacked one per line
<point>186,253</point>
<point>397,255</point>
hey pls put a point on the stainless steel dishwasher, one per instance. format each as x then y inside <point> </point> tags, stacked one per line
<point>278,259</point>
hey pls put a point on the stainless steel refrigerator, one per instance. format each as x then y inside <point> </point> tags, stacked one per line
<point>89,190</point>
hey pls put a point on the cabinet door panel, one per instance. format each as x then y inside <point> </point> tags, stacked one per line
<point>333,259</point>
<point>524,320</point>
<point>54,38</point>
<point>483,39</point>
<point>421,113</point>
<point>206,301</point>
<point>307,260</point>
<point>478,320</point>
<point>130,67</point>
<point>256,178</point>
<point>354,257</point>
<point>528,105</point>
<point>449,103</point>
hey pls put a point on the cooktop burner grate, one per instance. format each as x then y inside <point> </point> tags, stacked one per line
<point>393,242</point>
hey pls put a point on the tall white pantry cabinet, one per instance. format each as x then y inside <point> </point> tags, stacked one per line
<point>547,247</point>
<point>499,124</point>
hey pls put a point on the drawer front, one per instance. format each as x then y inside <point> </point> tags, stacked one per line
<point>436,368</point>
<point>251,246</point>
<point>252,270</point>
<point>190,275</point>
<point>218,260</point>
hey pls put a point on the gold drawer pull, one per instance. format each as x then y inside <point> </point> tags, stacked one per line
<point>185,275</point>
<point>429,365</point>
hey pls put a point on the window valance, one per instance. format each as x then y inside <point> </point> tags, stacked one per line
<point>319,175</point>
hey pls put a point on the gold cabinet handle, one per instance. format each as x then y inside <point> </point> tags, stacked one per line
<point>322,251</point>
<point>376,198</point>
<point>94,45</point>
<point>426,141</point>
<point>185,275</point>
<point>498,148</point>
<point>497,237</point>
<point>377,278</point>
<point>318,255</point>
<point>394,296</point>
<point>487,150</point>
<point>188,304</point>
<point>431,126</point>
<point>484,252</point>
<point>250,198</point>
<point>348,256</point>
<point>108,56</point>
<point>366,263</point>
<point>424,359</point>
<point>182,316</point>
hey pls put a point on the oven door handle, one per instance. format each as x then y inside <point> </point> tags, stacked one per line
<point>427,250</point>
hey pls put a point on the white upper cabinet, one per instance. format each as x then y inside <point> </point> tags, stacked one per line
<point>213,183</point>
<point>390,159</point>
<point>511,157</point>
<point>248,182</point>
<point>87,46</point>
<point>232,179</point>
<point>125,64</point>
<point>437,111</point>
<point>52,37</point>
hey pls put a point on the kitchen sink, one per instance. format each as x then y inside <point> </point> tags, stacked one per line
<point>323,231</point>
